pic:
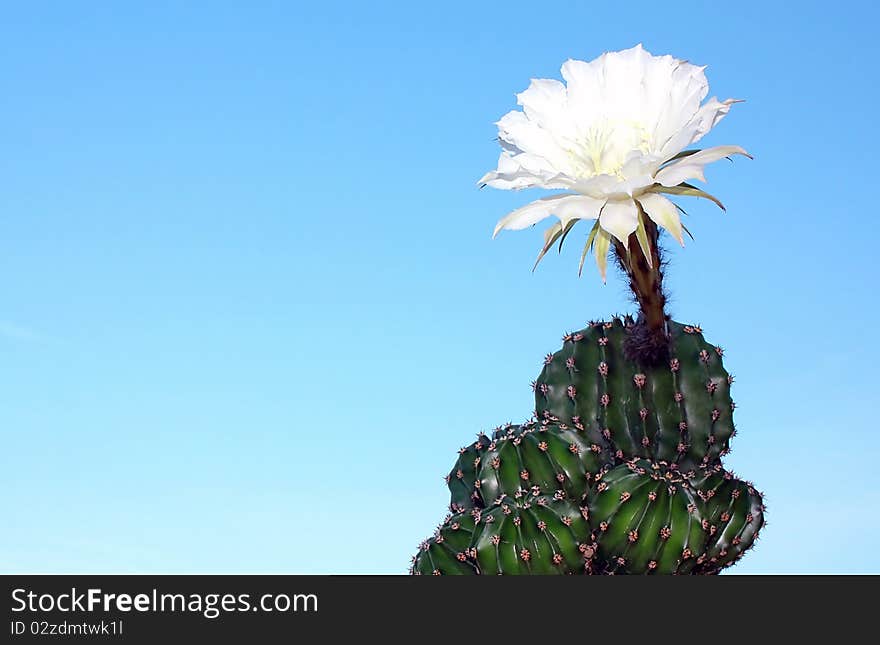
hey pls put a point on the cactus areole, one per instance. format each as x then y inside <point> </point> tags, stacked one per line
<point>620,470</point>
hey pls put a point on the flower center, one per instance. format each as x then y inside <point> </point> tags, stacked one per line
<point>606,146</point>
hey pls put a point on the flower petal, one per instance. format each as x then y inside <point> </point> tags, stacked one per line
<point>672,94</point>
<point>691,167</point>
<point>578,207</point>
<point>518,171</point>
<point>518,130</point>
<point>709,115</point>
<point>663,212</point>
<point>620,218</point>
<point>583,84</point>
<point>622,74</point>
<point>703,120</point>
<point>598,186</point>
<point>566,207</point>
<point>545,102</point>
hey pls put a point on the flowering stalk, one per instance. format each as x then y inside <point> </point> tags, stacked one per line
<point>647,341</point>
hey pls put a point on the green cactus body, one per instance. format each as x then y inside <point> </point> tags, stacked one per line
<point>620,474</point>
<point>645,521</point>
<point>540,458</point>
<point>461,479</point>
<point>649,517</point>
<point>680,411</point>
<point>448,552</point>
<point>520,535</point>
<point>734,513</point>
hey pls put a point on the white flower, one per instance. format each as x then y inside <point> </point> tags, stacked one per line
<point>614,136</point>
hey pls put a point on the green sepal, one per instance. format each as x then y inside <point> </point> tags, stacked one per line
<point>686,189</point>
<point>589,245</point>
<point>642,236</point>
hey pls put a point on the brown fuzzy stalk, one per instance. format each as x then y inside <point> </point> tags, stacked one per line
<point>648,342</point>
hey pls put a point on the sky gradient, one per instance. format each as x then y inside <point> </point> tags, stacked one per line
<point>251,306</point>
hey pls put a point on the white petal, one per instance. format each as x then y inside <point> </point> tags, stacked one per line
<point>565,207</point>
<point>706,118</point>
<point>691,167</point>
<point>523,170</point>
<point>620,218</point>
<point>639,164</point>
<point>516,129</point>
<point>584,90</point>
<point>672,93</point>
<point>663,212</point>
<point>638,176</point>
<point>709,115</point>
<point>598,186</point>
<point>578,207</point>
<point>635,185</point>
<point>545,102</point>
<point>510,175</point>
<point>622,73</point>
<point>685,89</point>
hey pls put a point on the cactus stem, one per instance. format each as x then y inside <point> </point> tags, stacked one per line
<point>648,340</point>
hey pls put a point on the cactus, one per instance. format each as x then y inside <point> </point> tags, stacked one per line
<point>646,519</point>
<point>461,479</point>
<point>635,446</point>
<point>519,534</point>
<point>649,517</point>
<point>734,510</point>
<point>621,469</point>
<point>540,458</point>
<point>448,552</point>
<point>679,411</point>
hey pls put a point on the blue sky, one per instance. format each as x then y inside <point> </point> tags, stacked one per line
<point>251,306</point>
